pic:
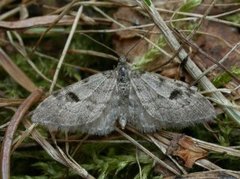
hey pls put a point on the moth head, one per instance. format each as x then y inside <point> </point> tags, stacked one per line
<point>123,66</point>
<point>122,59</point>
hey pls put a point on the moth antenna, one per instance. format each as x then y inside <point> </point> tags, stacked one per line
<point>99,43</point>
<point>133,46</point>
<point>138,42</point>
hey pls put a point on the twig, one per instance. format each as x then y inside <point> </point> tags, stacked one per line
<point>66,48</point>
<point>65,10</point>
<point>147,152</point>
<point>215,65</point>
<point>55,154</point>
<point>12,127</point>
<point>21,49</point>
<point>93,53</point>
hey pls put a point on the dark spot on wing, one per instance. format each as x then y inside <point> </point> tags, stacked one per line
<point>85,80</point>
<point>175,94</point>
<point>55,93</point>
<point>70,96</point>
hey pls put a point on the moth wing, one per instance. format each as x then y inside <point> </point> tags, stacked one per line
<point>138,117</point>
<point>172,103</point>
<point>88,106</point>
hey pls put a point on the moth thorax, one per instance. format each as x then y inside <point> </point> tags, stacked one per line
<point>123,80</point>
<point>123,76</point>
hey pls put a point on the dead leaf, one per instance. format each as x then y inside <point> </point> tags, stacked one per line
<point>127,17</point>
<point>185,148</point>
<point>36,21</point>
<point>217,48</point>
<point>16,73</point>
<point>124,40</point>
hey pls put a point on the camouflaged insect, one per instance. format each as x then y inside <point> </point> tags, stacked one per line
<point>147,101</point>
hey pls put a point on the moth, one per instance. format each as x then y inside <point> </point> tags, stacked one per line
<point>147,101</point>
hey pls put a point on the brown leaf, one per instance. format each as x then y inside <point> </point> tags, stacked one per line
<point>36,21</point>
<point>15,72</point>
<point>126,39</point>
<point>215,46</point>
<point>185,148</point>
<point>127,17</point>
